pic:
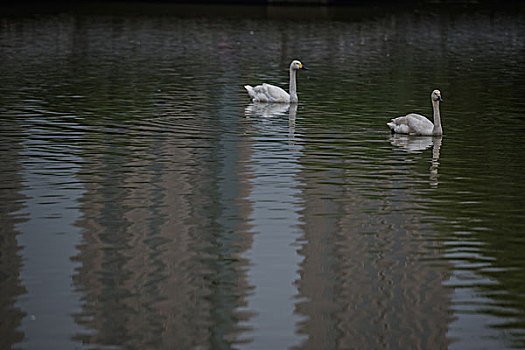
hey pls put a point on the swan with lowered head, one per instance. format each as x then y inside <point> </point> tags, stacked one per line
<point>272,93</point>
<point>416,124</point>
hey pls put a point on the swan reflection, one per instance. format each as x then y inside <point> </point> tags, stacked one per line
<point>417,144</point>
<point>271,110</point>
<point>266,110</point>
<point>435,158</point>
<point>292,113</point>
<point>411,144</point>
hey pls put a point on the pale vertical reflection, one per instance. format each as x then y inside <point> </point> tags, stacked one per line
<point>274,219</point>
<point>161,267</point>
<point>365,279</point>
<point>48,239</point>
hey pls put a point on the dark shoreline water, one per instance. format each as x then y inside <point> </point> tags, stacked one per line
<point>146,203</point>
<point>295,9</point>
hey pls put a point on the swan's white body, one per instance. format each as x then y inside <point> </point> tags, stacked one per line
<point>272,93</point>
<point>416,124</point>
<point>269,93</point>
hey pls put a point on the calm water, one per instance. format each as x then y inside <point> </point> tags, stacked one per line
<point>146,204</point>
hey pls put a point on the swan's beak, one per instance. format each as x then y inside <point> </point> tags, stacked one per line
<point>440,99</point>
<point>303,67</point>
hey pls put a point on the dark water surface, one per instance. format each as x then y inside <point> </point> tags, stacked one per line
<point>146,204</point>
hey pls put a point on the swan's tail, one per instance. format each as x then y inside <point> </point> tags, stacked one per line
<point>249,88</point>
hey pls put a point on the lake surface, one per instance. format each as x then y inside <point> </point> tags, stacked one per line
<point>147,204</point>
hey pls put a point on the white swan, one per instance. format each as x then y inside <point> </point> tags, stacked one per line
<point>272,93</point>
<point>416,124</point>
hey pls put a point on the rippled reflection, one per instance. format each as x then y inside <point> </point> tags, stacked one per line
<point>11,187</point>
<point>267,110</point>
<point>273,257</point>
<point>411,143</point>
<point>418,144</point>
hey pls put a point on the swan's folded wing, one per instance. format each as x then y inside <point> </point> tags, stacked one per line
<point>418,123</point>
<point>275,93</point>
<point>259,94</point>
<point>399,125</point>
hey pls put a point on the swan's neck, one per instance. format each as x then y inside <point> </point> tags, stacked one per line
<point>293,86</point>
<point>437,119</point>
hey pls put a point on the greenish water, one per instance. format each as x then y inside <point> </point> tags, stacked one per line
<point>147,204</point>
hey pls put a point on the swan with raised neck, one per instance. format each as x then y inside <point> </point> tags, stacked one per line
<point>416,124</point>
<point>272,93</point>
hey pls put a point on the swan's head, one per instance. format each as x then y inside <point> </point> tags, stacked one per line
<point>296,65</point>
<point>436,96</point>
